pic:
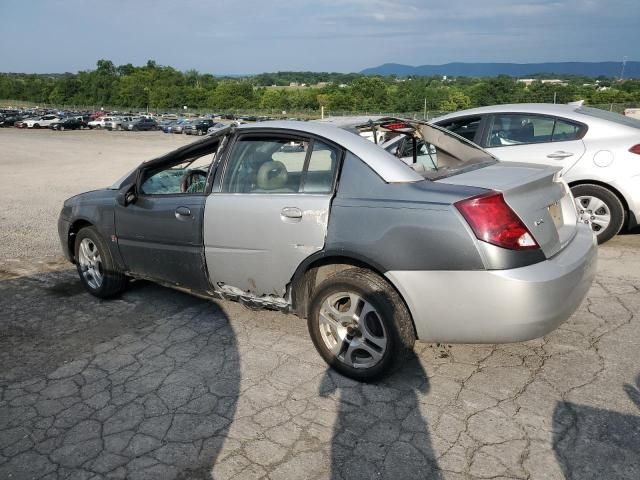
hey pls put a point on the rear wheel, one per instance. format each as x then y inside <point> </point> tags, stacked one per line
<point>36,125</point>
<point>600,208</point>
<point>98,272</point>
<point>360,325</point>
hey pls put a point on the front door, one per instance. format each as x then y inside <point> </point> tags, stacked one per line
<point>270,211</point>
<point>160,234</point>
<point>535,138</point>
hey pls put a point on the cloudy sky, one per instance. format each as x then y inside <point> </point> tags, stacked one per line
<point>252,36</point>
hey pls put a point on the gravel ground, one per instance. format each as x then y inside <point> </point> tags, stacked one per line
<point>42,168</point>
<point>158,384</point>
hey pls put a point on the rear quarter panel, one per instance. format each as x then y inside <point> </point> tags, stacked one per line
<point>403,226</point>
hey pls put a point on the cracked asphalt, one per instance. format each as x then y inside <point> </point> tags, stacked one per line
<point>159,385</point>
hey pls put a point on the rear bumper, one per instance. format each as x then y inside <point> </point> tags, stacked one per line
<point>500,306</point>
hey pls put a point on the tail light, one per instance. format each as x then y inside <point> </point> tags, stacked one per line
<point>635,149</point>
<point>493,221</point>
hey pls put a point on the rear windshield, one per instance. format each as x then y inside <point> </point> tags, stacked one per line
<point>436,153</point>
<point>443,154</point>
<point>430,150</point>
<point>611,116</point>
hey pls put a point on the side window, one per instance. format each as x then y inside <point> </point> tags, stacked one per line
<point>465,127</point>
<point>265,165</point>
<point>517,129</point>
<point>186,177</point>
<point>565,131</point>
<point>279,165</point>
<point>321,169</point>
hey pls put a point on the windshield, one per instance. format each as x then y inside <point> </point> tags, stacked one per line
<point>611,116</point>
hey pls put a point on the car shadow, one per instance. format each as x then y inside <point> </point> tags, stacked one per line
<point>594,443</point>
<point>144,385</point>
<point>380,431</point>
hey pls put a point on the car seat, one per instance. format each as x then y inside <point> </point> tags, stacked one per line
<point>272,177</point>
<point>525,134</point>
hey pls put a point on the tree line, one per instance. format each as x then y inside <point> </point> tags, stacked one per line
<point>163,88</point>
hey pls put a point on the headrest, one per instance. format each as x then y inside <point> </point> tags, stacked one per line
<point>272,175</point>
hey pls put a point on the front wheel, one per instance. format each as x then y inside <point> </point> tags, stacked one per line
<point>98,272</point>
<point>360,325</point>
<point>600,208</point>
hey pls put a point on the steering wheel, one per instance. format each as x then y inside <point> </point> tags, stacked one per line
<point>190,178</point>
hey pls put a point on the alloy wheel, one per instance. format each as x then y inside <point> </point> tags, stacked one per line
<point>594,212</point>
<point>90,263</point>
<point>352,329</point>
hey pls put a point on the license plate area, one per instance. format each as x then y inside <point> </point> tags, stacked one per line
<point>555,212</point>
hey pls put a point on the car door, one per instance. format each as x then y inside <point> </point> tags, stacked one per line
<point>160,235</point>
<point>269,211</point>
<point>522,137</point>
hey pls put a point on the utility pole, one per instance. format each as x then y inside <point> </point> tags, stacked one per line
<point>424,114</point>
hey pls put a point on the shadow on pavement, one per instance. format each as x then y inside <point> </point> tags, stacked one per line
<point>380,431</point>
<point>593,443</point>
<point>143,386</point>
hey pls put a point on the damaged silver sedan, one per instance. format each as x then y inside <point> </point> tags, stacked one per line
<point>375,254</point>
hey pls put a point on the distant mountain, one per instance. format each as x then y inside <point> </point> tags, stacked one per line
<point>587,69</point>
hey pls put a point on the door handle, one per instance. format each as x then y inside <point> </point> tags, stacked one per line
<point>559,155</point>
<point>182,212</point>
<point>291,212</point>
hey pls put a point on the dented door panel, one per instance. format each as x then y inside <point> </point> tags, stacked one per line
<point>255,242</point>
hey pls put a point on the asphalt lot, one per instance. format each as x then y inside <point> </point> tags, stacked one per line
<point>158,384</point>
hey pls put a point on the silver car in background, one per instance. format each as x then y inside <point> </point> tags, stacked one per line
<point>598,152</point>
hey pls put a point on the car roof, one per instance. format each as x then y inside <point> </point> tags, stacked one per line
<point>577,112</point>
<point>545,108</point>
<point>383,163</point>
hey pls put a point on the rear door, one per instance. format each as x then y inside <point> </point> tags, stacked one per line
<point>521,137</point>
<point>269,212</point>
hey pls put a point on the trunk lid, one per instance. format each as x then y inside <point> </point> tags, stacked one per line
<point>536,193</point>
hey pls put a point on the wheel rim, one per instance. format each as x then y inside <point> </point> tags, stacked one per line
<point>594,212</point>
<point>90,263</point>
<point>352,329</point>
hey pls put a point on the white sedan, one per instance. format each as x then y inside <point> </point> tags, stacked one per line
<point>41,122</point>
<point>599,152</point>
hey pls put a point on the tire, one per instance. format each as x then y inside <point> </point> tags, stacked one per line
<point>36,125</point>
<point>596,205</point>
<point>386,332</point>
<point>99,274</point>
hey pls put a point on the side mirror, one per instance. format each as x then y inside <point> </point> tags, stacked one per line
<point>127,195</point>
